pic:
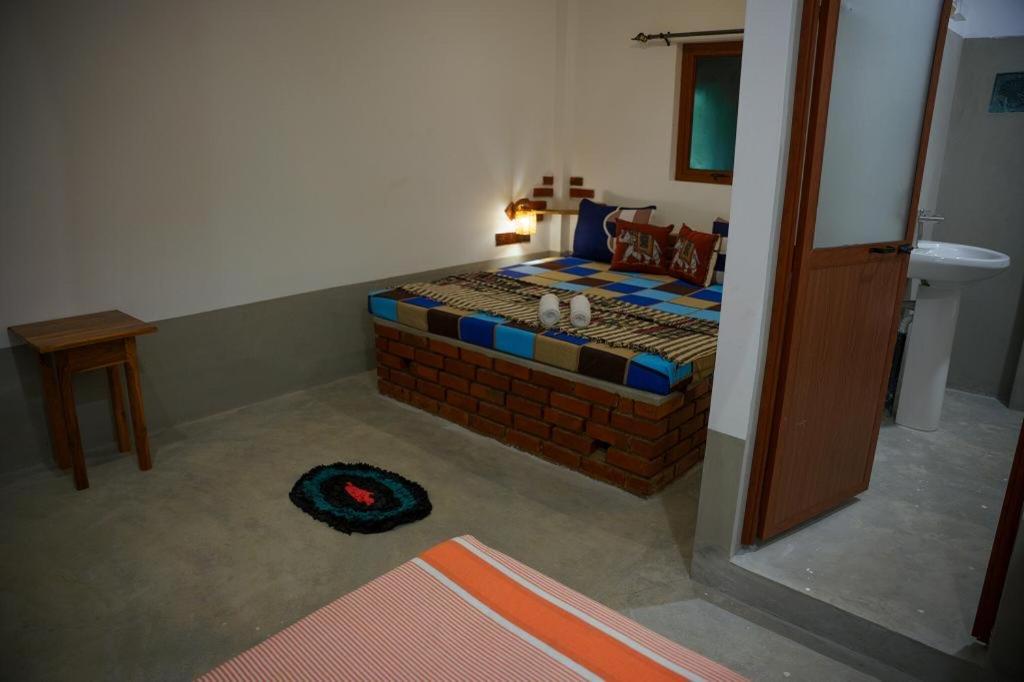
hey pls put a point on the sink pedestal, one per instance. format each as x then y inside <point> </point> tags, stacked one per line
<point>926,357</point>
<point>946,266</point>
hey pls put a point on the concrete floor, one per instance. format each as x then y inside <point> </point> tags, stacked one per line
<point>164,574</point>
<point>911,552</point>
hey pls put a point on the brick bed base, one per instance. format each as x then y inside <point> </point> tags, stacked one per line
<point>635,445</point>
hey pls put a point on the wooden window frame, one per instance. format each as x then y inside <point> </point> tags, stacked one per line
<point>688,81</point>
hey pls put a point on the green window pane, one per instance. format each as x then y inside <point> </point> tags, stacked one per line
<point>716,98</point>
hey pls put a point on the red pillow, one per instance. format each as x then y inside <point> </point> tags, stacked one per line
<point>641,248</point>
<point>693,258</point>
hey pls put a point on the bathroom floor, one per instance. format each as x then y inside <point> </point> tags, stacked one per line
<point>910,553</point>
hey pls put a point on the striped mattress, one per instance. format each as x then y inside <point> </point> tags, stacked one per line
<point>651,332</point>
<point>462,610</point>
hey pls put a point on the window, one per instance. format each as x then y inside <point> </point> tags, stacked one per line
<point>708,101</point>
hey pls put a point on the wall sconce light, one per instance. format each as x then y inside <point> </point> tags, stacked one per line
<point>526,223</point>
<point>523,213</point>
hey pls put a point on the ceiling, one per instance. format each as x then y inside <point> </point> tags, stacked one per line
<point>988,18</point>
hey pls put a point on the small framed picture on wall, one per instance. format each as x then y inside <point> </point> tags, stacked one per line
<point>1007,93</point>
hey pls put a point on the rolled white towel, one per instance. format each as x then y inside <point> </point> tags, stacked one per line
<point>579,311</point>
<point>549,313</point>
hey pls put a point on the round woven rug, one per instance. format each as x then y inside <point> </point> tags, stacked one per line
<point>359,498</point>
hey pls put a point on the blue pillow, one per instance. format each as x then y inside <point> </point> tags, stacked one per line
<point>595,228</point>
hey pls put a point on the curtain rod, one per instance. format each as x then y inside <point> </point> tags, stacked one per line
<point>644,37</point>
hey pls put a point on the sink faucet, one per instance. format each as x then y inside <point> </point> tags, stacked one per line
<point>926,218</point>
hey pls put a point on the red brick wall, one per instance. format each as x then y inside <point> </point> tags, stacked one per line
<point>634,445</point>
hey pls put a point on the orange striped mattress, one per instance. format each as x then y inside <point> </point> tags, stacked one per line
<point>462,610</point>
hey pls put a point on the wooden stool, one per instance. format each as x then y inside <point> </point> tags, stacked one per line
<point>79,344</point>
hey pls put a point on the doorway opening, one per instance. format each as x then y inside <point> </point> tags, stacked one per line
<point>910,553</point>
<point>891,515</point>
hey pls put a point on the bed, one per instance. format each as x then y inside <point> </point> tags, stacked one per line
<point>462,610</point>
<point>650,332</point>
<point>624,400</point>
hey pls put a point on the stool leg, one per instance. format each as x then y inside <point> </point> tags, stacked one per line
<point>117,404</point>
<point>135,402</point>
<point>55,413</point>
<point>74,438</point>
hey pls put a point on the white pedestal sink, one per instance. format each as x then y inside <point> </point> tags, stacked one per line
<point>943,269</point>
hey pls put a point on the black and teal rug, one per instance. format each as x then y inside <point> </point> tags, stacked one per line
<point>359,498</point>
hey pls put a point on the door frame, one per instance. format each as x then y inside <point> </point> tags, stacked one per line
<point>1002,547</point>
<point>812,88</point>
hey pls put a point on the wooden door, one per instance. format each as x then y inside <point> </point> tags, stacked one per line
<point>1002,547</point>
<point>866,79</point>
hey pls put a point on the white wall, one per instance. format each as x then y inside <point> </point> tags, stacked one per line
<point>623,98</point>
<point>982,176</point>
<point>170,158</point>
<point>939,132</point>
<point>762,145</point>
